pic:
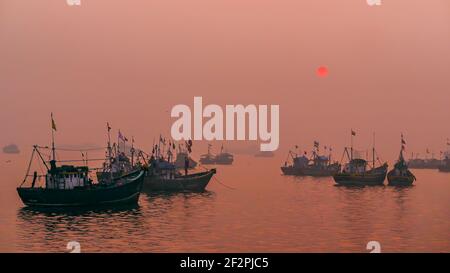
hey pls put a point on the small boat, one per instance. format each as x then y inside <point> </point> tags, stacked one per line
<point>400,175</point>
<point>445,166</point>
<point>223,158</point>
<point>358,172</point>
<point>70,186</point>
<point>175,181</point>
<point>318,165</point>
<point>420,163</point>
<point>298,162</point>
<point>163,175</point>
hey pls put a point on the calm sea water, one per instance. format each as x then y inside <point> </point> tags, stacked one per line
<point>263,212</point>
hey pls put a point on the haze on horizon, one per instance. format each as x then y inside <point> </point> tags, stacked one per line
<point>129,62</point>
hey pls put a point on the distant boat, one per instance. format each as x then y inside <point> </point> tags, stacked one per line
<point>358,172</point>
<point>175,181</point>
<point>318,165</point>
<point>445,166</point>
<point>420,163</point>
<point>163,175</point>
<point>223,158</point>
<point>70,186</point>
<point>298,162</point>
<point>400,175</point>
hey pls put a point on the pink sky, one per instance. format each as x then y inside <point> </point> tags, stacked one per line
<point>129,62</point>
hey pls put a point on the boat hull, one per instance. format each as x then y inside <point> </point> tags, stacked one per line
<point>125,190</point>
<point>445,169</point>
<point>363,179</point>
<point>192,182</point>
<point>289,170</point>
<point>400,180</point>
<point>309,171</point>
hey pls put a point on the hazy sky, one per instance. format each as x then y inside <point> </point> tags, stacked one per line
<point>128,62</point>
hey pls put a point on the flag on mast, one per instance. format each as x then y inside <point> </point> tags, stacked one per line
<point>353,133</point>
<point>53,122</point>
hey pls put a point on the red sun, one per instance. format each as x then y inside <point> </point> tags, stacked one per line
<point>322,71</point>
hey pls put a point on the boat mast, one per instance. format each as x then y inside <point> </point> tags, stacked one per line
<point>132,150</point>
<point>351,145</point>
<point>109,141</point>
<point>109,152</point>
<point>53,137</point>
<point>373,152</point>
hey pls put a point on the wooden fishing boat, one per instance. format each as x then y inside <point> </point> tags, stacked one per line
<point>355,173</point>
<point>59,191</point>
<point>298,163</point>
<point>70,186</point>
<point>177,182</point>
<point>223,158</point>
<point>358,172</point>
<point>318,165</point>
<point>400,175</point>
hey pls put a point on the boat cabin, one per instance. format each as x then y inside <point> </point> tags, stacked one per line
<point>67,177</point>
<point>355,166</point>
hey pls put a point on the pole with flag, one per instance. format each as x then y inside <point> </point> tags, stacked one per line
<point>53,137</point>
<point>353,133</point>
<point>108,128</point>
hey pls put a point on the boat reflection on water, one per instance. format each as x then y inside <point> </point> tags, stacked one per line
<point>160,220</point>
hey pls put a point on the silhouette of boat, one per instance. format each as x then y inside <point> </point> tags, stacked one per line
<point>400,175</point>
<point>298,162</point>
<point>175,181</point>
<point>420,163</point>
<point>163,175</point>
<point>70,186</point>
<point>223,158</point>
<point>358,172</point>
<point>318,165</point>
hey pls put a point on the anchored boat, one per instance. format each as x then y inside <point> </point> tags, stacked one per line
<point>163,174</point>
<point>298,162</point>
<point>318,165</point>
<point>400,175</point>
<point>223,158</point>
<point>70,186</point>
<point>358,172</point>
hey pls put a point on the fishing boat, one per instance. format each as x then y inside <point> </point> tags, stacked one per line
<point>298,163</point>
<point>400,175</point>
<point>223,158</point>
<point>421,163</point>
<point>176,181</point>
<point>358,172</point>
<point>163,175</point>
<point>70,186</point>
<point>318,165</point>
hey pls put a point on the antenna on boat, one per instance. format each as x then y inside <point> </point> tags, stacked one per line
<point>53,137</point>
